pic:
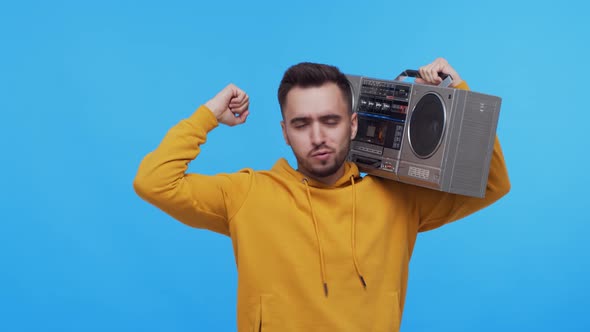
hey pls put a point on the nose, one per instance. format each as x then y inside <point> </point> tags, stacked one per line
<point>317,135</point>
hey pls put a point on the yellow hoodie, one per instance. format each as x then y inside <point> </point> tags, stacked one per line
<point>310,257</point>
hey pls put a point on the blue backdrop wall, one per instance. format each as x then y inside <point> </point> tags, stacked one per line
<point>88,88</point>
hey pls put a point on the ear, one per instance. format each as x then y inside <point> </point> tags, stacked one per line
<point>284,128</point>
<point>353,125</point>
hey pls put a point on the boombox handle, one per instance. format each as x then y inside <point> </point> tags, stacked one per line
<point>447,79</point>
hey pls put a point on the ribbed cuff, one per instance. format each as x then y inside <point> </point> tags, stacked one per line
<point>204,118</point>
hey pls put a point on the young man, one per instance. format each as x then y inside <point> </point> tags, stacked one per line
<point>318,248</point>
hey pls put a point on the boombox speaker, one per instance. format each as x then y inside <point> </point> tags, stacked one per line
<point>431,136</point>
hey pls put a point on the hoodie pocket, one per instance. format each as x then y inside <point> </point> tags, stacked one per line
<point>388,314</point>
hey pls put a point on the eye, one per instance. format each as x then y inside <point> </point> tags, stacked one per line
<point>332,122</point>
<point>300,125</point>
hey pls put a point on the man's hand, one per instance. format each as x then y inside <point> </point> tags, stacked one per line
<point>230,105</point>
<point>429,73</point>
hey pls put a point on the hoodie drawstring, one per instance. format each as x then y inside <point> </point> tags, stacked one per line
<point>317,234</point>
<point>352,238</point>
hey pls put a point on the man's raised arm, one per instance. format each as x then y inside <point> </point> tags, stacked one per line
<point>200,201</point>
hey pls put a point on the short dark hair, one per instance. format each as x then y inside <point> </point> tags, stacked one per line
<point>308,74</point>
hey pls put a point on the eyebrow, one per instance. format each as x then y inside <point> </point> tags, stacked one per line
<point>299,119</point>
<point>322,118</point>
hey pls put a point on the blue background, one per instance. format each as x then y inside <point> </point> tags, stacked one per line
<point>87,89</point>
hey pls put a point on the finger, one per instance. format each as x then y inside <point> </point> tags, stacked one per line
<point>244,106</point>
<point>420,81</point>
<point>232,92</point>
<point>423,74</point>
<point>438,68</point>
<point>439,64</point>
<point>432,74</point>
<point>435,78</point>
<point>239,101</point>
<point>240,106</point>
<point>426,73</point>
<point>434,70</point>
<point>240,94</point>
<point>442,66</point>
<point>240,109</point>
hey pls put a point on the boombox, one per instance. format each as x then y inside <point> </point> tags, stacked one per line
<point>431,136</point>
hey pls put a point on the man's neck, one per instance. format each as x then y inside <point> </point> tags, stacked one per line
<point>327,180</point>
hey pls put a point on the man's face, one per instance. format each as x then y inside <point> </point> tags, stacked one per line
<point>319,128</point>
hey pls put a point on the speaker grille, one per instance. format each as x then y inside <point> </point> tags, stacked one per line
<point>427,125</point>
<point>474,139</point>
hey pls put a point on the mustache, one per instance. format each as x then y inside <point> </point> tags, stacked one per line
<point>319,148</point>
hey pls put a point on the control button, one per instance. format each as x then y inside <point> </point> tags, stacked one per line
<point>388,167</point>
<point>402,92</point>
<point>419,172</point>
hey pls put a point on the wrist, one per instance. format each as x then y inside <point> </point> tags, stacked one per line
<point>213,108</point>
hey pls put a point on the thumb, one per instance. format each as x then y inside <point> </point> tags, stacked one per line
<point>238,119</point>
<point>242,117</point>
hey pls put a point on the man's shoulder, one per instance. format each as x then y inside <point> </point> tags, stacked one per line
<point>281,168</point>
<point>390,185</point>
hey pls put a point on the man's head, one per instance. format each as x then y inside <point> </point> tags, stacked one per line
<point>318,122</point>
<point>307,74</point>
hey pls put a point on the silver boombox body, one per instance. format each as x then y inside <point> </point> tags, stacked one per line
<point>431,136</point>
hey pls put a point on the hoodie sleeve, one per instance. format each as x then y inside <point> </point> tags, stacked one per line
<point>200,201</point>
<point>437,208</point>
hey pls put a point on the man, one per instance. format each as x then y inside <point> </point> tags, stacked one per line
<point>318,248</point>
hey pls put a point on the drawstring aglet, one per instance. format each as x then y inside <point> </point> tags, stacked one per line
<point>326,288</point>
<point>363,282</point>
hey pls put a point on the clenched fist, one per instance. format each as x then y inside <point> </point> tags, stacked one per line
<point>230,105</point>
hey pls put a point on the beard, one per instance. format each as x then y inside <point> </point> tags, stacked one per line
<point>324,168</point>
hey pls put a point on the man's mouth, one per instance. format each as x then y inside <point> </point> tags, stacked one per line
<point>321,154</point>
